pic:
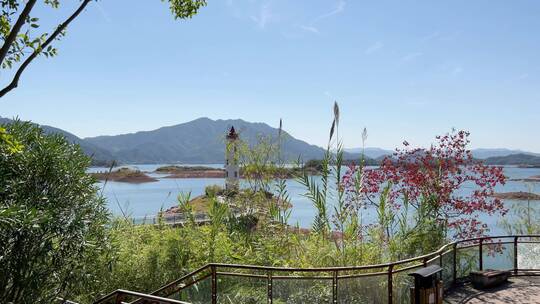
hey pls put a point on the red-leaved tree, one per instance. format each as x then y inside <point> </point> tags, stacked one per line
<point>443,182</point>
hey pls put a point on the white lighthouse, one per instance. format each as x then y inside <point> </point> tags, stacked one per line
<point>232,171</point>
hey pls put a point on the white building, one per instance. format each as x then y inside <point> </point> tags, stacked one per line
<point>232,170</point>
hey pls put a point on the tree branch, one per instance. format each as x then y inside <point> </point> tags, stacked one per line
<point>15,82</point>
<point>15,30</point>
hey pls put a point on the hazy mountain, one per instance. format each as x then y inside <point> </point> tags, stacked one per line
<point>487,153</point>
<point>514,159</point>
<point>99,155</point>
<point>477,153</point>
<point>371,152</point>
<point>198,141</point>
<point>203,140</point>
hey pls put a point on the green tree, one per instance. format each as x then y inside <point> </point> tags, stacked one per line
<point>52,222</point>
<point>24,42</point>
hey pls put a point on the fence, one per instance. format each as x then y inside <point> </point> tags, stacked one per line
<point>382,283</point>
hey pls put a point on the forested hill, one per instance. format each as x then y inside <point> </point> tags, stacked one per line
<point>514,160</point>
<point>198,141</point>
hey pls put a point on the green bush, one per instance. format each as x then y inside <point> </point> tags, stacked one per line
<point>52,222</point>
<point>213,190</point>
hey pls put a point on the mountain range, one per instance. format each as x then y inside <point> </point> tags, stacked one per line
<point>198,141</point>
<point>203,140</point>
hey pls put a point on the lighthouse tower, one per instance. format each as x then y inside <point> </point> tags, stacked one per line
<point>232,174</point>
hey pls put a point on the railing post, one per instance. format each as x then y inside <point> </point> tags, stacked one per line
<point>454,273</point>
<point>335,287</point>
<point>269,286</point>
<point>119,298</point>
<point>481,256</point>
<point>390,283</point>
<point>441,264</point>
<point>214,284</point>
<point>516,255</point>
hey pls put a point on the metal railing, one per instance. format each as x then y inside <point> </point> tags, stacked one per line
<point>381,283</point>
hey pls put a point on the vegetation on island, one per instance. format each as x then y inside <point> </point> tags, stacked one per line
<point>124,175</point>
<point>60,241</point>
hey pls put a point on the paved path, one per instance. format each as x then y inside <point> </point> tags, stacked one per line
<point>523,290</point>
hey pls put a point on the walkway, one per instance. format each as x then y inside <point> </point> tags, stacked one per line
<point>521,289</point>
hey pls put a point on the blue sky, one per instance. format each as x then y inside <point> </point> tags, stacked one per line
<point>403,69</point>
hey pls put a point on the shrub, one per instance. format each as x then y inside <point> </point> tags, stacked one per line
<point>213,190</point>
<point>51,219</point>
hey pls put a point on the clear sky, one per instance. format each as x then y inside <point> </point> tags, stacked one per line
<point>403,69</point>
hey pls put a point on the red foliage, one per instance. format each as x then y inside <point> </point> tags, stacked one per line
<point>461,187</point>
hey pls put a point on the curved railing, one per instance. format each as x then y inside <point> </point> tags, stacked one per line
<point>381,283</point>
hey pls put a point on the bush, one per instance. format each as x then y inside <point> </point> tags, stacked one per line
<point>213,190</point>
<point>52,222</point>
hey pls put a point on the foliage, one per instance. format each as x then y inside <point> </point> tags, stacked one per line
<point>51,219</point>
<point>339,221</point>
<point>435,183</point>
<point>23,41</point>
<point>8,145</point>
<point>526,217</point>
<point>213,190</point>
<point>258,163</point>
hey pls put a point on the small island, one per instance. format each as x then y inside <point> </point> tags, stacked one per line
<point>529,166</point>
<point>532,179</point>
<point>175,171</point>
<point>520,196</point>
<point>190,172</point>
<point>124,175</point>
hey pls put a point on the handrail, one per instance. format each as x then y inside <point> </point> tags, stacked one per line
<point>349,268</point>
<point>118,294</point>
<point>386,269</point>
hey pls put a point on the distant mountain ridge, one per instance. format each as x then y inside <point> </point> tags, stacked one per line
<point>482,153</point>
<point>202,141</point>
<point>514,160</point>
<point>198,141</point>
<point>370,152</point>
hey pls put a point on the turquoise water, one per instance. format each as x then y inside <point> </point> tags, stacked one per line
<point>140,200</point>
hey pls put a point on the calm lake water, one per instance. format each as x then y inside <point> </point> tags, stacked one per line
<point>140,200</point>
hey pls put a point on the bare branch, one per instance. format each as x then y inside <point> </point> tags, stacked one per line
<point>15,82</point>
<point>16,28</point>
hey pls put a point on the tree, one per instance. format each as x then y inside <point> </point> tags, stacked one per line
<point>22,43</point>
<point>52,222</point>
<point>446,187</point>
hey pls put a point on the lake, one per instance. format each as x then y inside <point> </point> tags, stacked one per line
<point>141,200</point>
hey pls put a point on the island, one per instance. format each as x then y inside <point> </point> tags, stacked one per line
<point>191,172</point>
<point>124,175</point>
<point>174,171</point>
<point>533,179</point>
<point>521,196</point>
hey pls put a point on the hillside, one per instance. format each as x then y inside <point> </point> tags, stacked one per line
<point>488,153</point>
<point>197,141</point>
<point>514,160</point>
<point>99,155</point>
<point>481,153</point>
